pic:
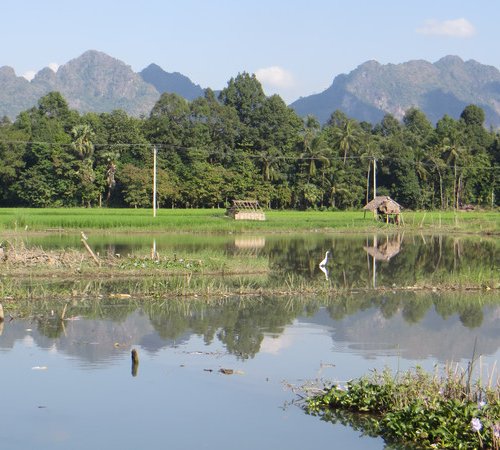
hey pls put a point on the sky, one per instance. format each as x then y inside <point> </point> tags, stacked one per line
<point>294,47</point>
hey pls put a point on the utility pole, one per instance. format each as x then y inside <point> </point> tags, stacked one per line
<point>154,181</point>
<point>374,178</point>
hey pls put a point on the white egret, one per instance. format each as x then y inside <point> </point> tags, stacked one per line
<point>323,263</point>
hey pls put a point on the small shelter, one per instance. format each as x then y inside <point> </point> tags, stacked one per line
<point>384,207</point>
<point>386,250</point>
<point>246,210</point>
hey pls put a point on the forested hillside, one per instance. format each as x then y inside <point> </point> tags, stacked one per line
<point>243,144</point>
<point>444,87</point>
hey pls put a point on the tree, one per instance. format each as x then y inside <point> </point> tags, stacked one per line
<point>244,93</point>
<point>473,115</point>
<point>347,138</point>
<point>12,149</point>
<point>84,147</point>
<point>370,154</point>
<point>215,127</point>
<point>168,122</point>
<point>50,174</point>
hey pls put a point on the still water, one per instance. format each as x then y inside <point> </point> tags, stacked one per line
<point>70,384</point>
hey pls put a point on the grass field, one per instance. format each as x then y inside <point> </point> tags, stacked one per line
<point>214,221</point>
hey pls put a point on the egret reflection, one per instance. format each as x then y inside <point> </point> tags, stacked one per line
<point>322,264</point>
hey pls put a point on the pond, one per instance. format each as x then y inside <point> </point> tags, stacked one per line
<point>355,261</point>
<point>71,384</point>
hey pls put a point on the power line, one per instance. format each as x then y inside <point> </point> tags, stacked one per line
<point>251,155</point>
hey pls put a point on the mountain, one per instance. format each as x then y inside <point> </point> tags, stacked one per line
<point>171,82</point>
<point>16,93</point>
<point>97,82</point>
<point>92,82</point>
<point>373,90</point>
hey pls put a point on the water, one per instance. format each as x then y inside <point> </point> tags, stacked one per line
<point>70,384</point>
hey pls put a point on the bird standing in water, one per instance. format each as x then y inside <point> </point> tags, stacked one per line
<point>323,263</point>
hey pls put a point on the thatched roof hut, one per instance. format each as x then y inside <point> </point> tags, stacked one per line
<point>385,207</point>
<point>246,210</point>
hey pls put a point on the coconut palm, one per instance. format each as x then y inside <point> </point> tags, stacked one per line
<point>347,138</point>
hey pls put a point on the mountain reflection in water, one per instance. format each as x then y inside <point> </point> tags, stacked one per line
<point>87,396</point>
<point>83,394</point>
<point>412,325</point>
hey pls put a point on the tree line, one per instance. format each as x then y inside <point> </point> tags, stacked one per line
<point>242,144</point>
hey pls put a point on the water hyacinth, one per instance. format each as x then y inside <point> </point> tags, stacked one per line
<point>476,424</point>
<point>496,431</point>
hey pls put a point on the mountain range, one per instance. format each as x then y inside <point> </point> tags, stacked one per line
<point>100,83</point>
<point>373,90</point>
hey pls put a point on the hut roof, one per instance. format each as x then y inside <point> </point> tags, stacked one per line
<point>384,201</point>
<point>252,205</point>
<point>246,210</point>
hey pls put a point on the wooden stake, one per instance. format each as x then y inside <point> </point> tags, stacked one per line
<point>135,362</point>
<point>84,242</point>
<point>64,311</point>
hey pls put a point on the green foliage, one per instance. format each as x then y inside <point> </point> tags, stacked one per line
<point>244,145</point>
<point>417,408</point>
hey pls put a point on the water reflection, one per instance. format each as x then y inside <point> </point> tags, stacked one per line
<point>356,261</point>
<point>413,326</point>
<point>182,345</point>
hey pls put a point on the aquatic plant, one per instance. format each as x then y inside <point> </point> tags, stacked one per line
<point>446,410</point>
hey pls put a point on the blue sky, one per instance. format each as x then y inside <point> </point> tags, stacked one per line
<point>294,47</point>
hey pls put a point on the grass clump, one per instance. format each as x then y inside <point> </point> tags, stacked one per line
<point>417,408</point>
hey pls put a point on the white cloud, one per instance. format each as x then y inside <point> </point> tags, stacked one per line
<point>275,77</point>
<point>461,28</point>
<point>29,75</point>
<point>274,345</point>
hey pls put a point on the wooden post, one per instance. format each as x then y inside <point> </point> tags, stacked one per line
<point>135,362</point>
<point>154,181</point>
<point>84,242</point>
<point>1,313</point>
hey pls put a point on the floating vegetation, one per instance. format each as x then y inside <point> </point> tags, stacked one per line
<point>451,409</point>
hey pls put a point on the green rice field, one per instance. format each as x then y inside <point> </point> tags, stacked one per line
<point>215,221</point>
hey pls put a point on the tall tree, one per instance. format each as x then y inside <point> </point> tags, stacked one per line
<point>347,138</point>
<point>84,147</point>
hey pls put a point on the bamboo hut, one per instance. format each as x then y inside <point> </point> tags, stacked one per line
<point>246,210</point>
<point>385,208</point>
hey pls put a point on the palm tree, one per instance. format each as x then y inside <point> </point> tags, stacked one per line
<point>347,138</point>
<point>456,153</point>
<point>439,165</point>
<point>317,151</point>
<point>314,147</point>
<point>269,159</point>
<point>371,154</point>
<point>82,140</point>
<point>84,147</point>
